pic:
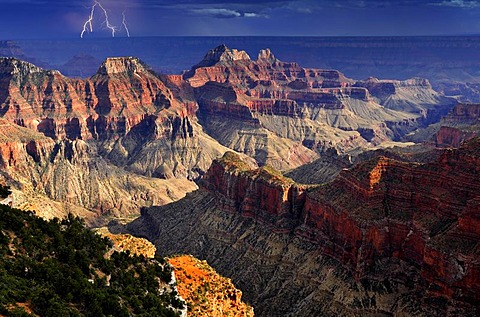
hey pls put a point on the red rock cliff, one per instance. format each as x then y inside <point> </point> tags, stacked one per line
<point>462,123</point>
<point>263,194</point>
<point>114,100</point>
<point>426,215</point>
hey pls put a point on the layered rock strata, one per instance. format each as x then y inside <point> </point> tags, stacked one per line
<point>317,109</point>
<point>460,124</point>
<point>385,237</point>
<point>56,177</point>
<point>125,109</point>
<point>277,112</point>
<point>171,127</point>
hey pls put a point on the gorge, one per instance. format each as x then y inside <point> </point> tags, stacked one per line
<point>317,194</point>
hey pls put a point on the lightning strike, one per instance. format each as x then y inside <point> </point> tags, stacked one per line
<point>107,23</point>
<point>124,22</point>
<point>89,21</point>
<point>88,24</point>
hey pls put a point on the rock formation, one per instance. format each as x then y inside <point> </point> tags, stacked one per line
<point>76,178</point>
<point>205,291</point>
<point>277,112</point>
<point>122,107</point>
<point>99,138</point>
<point>414,95</point>
<point>385,237</point>
<point>303,112</point>
<point>127,122</point>
<point>460,124</point>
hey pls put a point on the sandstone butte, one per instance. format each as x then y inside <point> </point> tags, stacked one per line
<point>385,237</point>
<point>205,291</point>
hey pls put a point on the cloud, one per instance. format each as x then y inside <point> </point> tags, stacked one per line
<point>467,4</point>
<point>226,13</point>
<point>244,8</point>
<point>254,15</point>
<point>217,13</point>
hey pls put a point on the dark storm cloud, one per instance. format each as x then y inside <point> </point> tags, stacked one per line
<point>250,5</point>
<point>39,18</point>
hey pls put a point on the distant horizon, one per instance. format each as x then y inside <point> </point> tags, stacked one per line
<point>385,57</point>
<point>239,36</point>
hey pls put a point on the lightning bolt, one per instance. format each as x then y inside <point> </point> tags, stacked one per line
<point>107,23</point>
<point>124,22</point>
<point>89,21</point>
<point>88,24</point>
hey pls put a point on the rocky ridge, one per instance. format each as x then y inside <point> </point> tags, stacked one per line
<point>303,112</point>
<point>55,177</point>
<point>92,146</point>
<point>123,100</point>
<point>133,123</point>
<point>279,113</point>
<point>407,243</point>
<point>205,292</point>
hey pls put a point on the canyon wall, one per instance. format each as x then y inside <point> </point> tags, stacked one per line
<point>460,124</point>
<point>385,237</point>
<point>304,109</point>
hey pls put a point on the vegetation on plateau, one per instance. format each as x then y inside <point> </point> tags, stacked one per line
<point>59,268</point>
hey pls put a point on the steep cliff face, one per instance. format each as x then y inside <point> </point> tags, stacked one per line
<point>304,109</point>
<point>385,237</point>
<point>460,124</point>
<point>454,136</point>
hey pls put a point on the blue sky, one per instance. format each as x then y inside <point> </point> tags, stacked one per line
<point>25,19</point>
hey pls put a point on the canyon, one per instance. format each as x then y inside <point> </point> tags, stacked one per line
<point>460,124</point>
<point>128,137</point>
<point>316,193</point>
